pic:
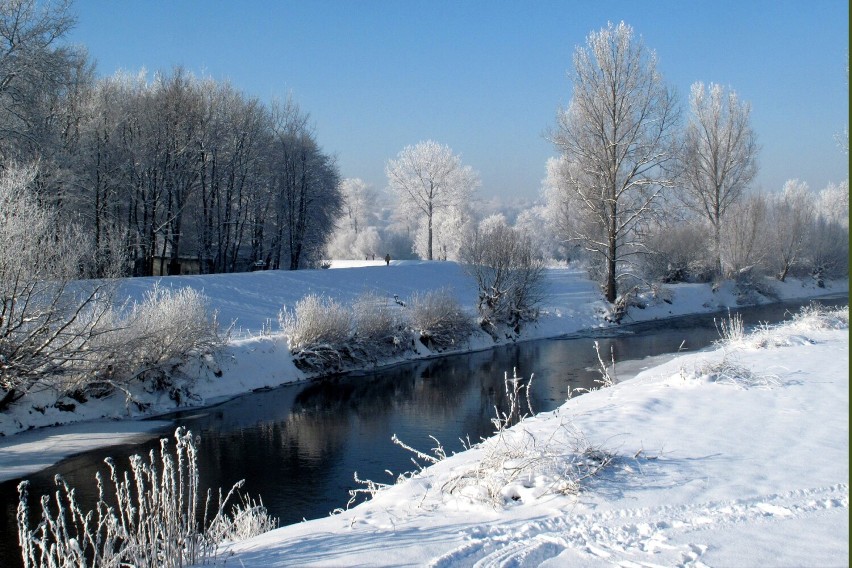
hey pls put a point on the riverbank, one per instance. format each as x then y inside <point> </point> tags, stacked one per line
<point>733,457</point>
<point>257,357</point>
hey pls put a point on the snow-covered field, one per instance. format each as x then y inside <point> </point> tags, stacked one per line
<point>732,457</point>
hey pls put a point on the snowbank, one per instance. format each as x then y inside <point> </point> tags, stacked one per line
<point>733,457</point>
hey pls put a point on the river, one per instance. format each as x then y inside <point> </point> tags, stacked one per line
<point>298,446</point>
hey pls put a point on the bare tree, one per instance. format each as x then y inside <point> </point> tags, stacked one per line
<point>616,138</point>
<point>745,236</point>
<point>427,178</point>
<point>508,271</point>
<point>306,184</point>
<point>46,324</point>
<point>828,240</point>
<point>719,155</point>
<point>33,67</point>
<point>791,216</point>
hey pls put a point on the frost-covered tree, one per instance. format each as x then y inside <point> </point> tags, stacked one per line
<point>828,242</point>
<point>833,203</point>
<point>356,235</point>
<point>533,223</point>
<point>745,236</point>
<point>451,227</point>
<point>44,324</point>
<point>35,71</point>
<point>616,138</point>
<point>427,178</point>
<point>719,155</point>
<point>791,216</point>
<point>359,199</point>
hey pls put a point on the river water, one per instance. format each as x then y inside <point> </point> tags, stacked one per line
<point>298,446</point>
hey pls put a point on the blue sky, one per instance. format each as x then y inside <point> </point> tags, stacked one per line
<point>486,78</point>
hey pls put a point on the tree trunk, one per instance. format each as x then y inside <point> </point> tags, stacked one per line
<point>429,251</point>
<point>717,242</point>
<point>611,292</point>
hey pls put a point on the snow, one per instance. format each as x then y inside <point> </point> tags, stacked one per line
<point>704,472</point>
<point>35,450</point>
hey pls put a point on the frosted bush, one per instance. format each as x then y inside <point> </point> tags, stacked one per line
<point>151,337</point>
<point>816,317</point>
<point>378,326</point>
<point>316,320</point>
<point>170,324</point>
<point>319,331</point>
<point>149,517</point>
<point>439,319</point>
<point>508,273</point>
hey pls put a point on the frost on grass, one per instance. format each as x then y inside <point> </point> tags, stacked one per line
<point>809,319</point>
<point>517,464</point>
<point>734,338</point>
<point>520,465</point>
<point>149,516</point>
<point>731,373</point>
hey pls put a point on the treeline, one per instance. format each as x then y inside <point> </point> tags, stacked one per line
<point>164,171</point>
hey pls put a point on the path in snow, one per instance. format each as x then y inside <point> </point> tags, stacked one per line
<point>642,537</point>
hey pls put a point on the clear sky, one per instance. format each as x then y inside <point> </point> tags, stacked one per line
<point>486,78</point>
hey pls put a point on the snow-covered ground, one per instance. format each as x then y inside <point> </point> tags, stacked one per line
<point>732,457</point>
<point>258,357</point>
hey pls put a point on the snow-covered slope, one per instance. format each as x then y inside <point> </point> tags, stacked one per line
<point>735,457</point>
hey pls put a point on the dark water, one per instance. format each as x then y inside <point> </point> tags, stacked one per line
<point>298,446</point>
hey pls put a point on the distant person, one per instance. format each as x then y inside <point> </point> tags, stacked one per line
<point>387,259</point>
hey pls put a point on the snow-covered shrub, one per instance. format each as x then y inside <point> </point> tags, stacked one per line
<point>149,339</point>
<point>169,324</point>
<point>518,466</point>
<point>316,320</point>
<point>378,326</point>
<point>150,516</point>
<point>319,331</point>
<point>752,285</point>
<point>438,319</point>
<point>508,273</point>
<point>815,317</point>
<point>678,252</point>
